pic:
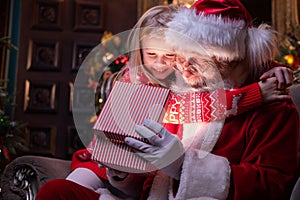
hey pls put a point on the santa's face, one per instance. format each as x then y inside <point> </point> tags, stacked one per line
<point>158,58</point>
<point>199,72</point>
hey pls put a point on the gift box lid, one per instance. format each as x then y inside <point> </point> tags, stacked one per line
<point>130,104</point>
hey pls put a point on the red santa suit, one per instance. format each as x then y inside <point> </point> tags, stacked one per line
<point>255,157</point>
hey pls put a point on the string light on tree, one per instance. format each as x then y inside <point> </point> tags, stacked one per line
<point>290,51</point>
<point>289,59</point>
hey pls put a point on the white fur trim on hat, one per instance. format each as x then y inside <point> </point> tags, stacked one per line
<point>228,39</point>
<point>221,38</point>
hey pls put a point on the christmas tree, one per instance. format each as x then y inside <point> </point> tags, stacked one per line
<point>10,130</point>
<point>290,51</point>
<point>11,133</point>
<point>290,54</point>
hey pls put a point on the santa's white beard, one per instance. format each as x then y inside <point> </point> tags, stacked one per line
<point>207,81</point>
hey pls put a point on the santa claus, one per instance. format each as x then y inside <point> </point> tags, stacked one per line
<point>254,155</point>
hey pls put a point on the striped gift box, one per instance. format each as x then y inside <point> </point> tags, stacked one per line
<point>116,154</point>
<point>127,105</point>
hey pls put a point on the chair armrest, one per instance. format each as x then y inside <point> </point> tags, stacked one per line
<point>297,76</point>
<point>23,177</point>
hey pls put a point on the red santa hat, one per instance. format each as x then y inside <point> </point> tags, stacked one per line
<point>224,29</point>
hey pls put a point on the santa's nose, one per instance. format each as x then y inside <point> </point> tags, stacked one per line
<point>186,73</point>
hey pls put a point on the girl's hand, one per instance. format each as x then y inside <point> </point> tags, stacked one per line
<point>284,76</point>
<point>270,92</point>
<point>84,156</point>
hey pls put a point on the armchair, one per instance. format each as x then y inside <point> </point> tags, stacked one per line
<point>23,177</point>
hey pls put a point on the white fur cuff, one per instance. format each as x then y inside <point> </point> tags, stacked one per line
<point>204,176</point>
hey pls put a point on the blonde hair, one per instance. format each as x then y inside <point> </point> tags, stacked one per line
<point>152,24</point>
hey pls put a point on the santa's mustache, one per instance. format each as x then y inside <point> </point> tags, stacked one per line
<point>197,82</point>
<point>201,73</point>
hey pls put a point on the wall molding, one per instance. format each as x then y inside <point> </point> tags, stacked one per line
<point>285,16</point>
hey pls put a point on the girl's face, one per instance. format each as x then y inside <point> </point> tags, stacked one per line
<point>158,58</point>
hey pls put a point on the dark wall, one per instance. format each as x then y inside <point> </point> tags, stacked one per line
<point>260,10</point>
<point>55,37</point>
<point>123,13</point>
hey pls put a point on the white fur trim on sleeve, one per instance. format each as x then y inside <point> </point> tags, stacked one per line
<point>204,177</point>
<point>86,178</point>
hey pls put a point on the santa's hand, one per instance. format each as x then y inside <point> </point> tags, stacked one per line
<point>284,76</point>
<point>165,150</point>
<point>270,92</point>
